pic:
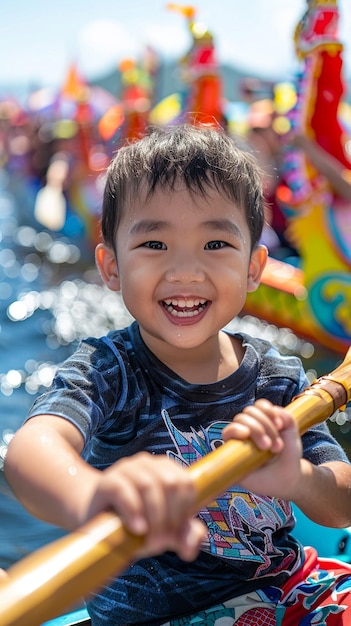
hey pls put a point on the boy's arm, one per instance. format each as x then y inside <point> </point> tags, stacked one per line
<point>44,468</point>
<point>152,494</point>
<point>322,492</point>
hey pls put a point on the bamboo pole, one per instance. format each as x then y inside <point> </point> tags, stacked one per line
<point>43,584</point>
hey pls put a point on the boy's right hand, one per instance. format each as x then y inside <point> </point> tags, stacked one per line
<point>271,428</point>
<point>153,497</point>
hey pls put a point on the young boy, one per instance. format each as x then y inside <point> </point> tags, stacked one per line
<point>181,224</point>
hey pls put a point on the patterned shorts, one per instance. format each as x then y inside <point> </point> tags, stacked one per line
<point>317,595</point>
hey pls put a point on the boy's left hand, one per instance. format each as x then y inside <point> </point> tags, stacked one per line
<point>271,428</point>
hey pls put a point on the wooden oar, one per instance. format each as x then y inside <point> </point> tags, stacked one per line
<point>43,584</point>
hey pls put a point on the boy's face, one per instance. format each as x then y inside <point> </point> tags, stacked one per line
<point>183,266</point>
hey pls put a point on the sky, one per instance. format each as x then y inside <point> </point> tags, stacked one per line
<point>41,38</point>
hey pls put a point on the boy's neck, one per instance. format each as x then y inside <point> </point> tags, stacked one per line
<point>209,363</point>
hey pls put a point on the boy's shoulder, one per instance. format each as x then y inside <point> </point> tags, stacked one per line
<point>106,351</point>
<point>279,377</point>
<point>272,362</point>
<point>117,339</point>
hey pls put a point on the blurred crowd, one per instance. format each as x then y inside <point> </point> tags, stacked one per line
<point>58,143</point>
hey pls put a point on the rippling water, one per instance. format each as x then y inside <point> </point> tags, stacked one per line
<point>20,346</point>
<point>50,297</point>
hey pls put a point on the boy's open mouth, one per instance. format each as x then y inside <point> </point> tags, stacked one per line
<point>179,307</point>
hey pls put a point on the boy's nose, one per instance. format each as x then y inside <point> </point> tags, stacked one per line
<point>185,269</point>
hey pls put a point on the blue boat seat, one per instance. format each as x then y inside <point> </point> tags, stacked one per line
<point>80,616</point>
<point>333,543</point>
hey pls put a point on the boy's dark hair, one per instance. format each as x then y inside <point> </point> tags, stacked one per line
<point>198,157</point>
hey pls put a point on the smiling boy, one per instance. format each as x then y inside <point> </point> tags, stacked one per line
<point>181,224</point>
<point>184,271</point>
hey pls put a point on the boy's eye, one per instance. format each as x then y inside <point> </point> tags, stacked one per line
<point>215,245</point>
<point>154,245</point>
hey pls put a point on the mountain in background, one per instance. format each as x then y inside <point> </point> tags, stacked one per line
<point>169,81</point>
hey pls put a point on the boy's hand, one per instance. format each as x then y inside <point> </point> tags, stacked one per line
<point>271,428</point>
<point>153,496</point>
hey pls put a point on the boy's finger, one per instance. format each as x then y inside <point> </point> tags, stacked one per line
<point>262,428</point>
<point>255,424</point>
<point>191,537</point>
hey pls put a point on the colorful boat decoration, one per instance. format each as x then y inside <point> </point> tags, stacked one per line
<point>314,299</point>
<point>82,125</point>
<point>200,70</point>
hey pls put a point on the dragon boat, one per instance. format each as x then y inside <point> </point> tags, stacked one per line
<point>314,298</point>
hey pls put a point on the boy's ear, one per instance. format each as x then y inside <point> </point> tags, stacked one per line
<point>257,264</point>
<point>107,265</point>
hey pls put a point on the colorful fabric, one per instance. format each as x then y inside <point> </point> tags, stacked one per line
<point>224,617</point>
<point>317,595</point>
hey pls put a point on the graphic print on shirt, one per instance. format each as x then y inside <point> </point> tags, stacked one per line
<point>240,524</point>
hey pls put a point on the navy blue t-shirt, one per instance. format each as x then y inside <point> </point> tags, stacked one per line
<point>124,400</point>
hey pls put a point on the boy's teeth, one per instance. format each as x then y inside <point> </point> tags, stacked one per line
<point>184,308</point>
<point>188,303</point>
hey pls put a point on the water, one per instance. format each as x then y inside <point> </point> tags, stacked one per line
<point>50,297</point>
<point>20,533</point>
